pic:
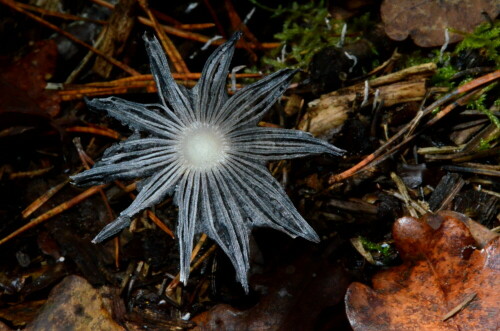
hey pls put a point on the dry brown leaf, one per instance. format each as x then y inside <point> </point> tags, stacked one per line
<point>445,283</point>
<point>426,21</point>
<point>75,305</point>
<point>23,82</point>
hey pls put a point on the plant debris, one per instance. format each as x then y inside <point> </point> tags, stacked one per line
<point>443,282</point>
<point>420,127</point>
<point>427,21</point>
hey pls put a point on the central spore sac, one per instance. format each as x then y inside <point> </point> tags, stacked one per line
<point>203,147</point>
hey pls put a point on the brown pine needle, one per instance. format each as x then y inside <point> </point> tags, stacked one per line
<point>30,174</point>
<point>149,79</point>
<point>14,5</point>
<point>94,130</point>
<point>196,250</point>
<point>57,14</point>
<point>198,246</point>
<point>43,199</point>
<point>468,299</point>
<point>382,152</point>
<point>125,85</point>
<point>196,26</point>
<point>169,47</point>
<point>54,211</point>
<point>175,282</point>
<point>152,216</point>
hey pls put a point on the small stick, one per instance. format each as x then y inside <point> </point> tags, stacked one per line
<point>65,16</point>
<point>12,4</point>
<point>468,299</point>
<point>43,199</point>
<point>169,47</point>
<point>174,283</point>
<point>87,162</point>
<point>383,149</point>
<point>54,211</point>
<point>93,130</point>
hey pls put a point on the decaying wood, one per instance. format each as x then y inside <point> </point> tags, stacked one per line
<point>472,150</point>
<point>115,34</point>
<point>331,110</point>
<point>421,70</point>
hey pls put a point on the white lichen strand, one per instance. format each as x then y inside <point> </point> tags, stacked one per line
<point>203,147</point>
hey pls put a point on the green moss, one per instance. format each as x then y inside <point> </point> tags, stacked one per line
<point>481,103</point>
<point>486,37</point>
<point>443,76</point>
<point>383,251</point>
<point>307,28</point>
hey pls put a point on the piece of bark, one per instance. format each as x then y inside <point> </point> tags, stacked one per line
<point>481,206</point>
<point>331,110</point>
<point>449,185</point>
<point>423,70</point>
<point>114,35</point>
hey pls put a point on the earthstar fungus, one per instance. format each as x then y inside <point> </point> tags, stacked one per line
<point>204,147</point>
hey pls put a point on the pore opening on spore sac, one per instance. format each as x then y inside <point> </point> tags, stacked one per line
<point>202,146</point>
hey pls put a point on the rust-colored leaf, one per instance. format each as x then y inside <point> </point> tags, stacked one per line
<point>445,283</point>
<point>426,21</point>
<point>75,305</point>
<point>23,82</point>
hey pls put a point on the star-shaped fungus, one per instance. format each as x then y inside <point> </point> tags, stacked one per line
<point>204,147</point>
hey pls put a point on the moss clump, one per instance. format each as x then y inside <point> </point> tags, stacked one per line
<point>486,38</point>
<point>307,28</point>
<point>483,43</point>
<point>382,252</point>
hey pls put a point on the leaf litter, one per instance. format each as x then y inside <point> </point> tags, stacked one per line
<point>402,159</point>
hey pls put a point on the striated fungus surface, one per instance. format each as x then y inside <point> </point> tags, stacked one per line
<point>204,147</point>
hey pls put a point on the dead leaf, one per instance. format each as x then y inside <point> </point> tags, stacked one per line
<point>426,21</point>
<point>4,327</point>
<point>443,284</point>
<point>75,305</point>
<point>24,81</point>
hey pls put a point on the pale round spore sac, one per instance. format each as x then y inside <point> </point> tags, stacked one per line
<point>202,147</point>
